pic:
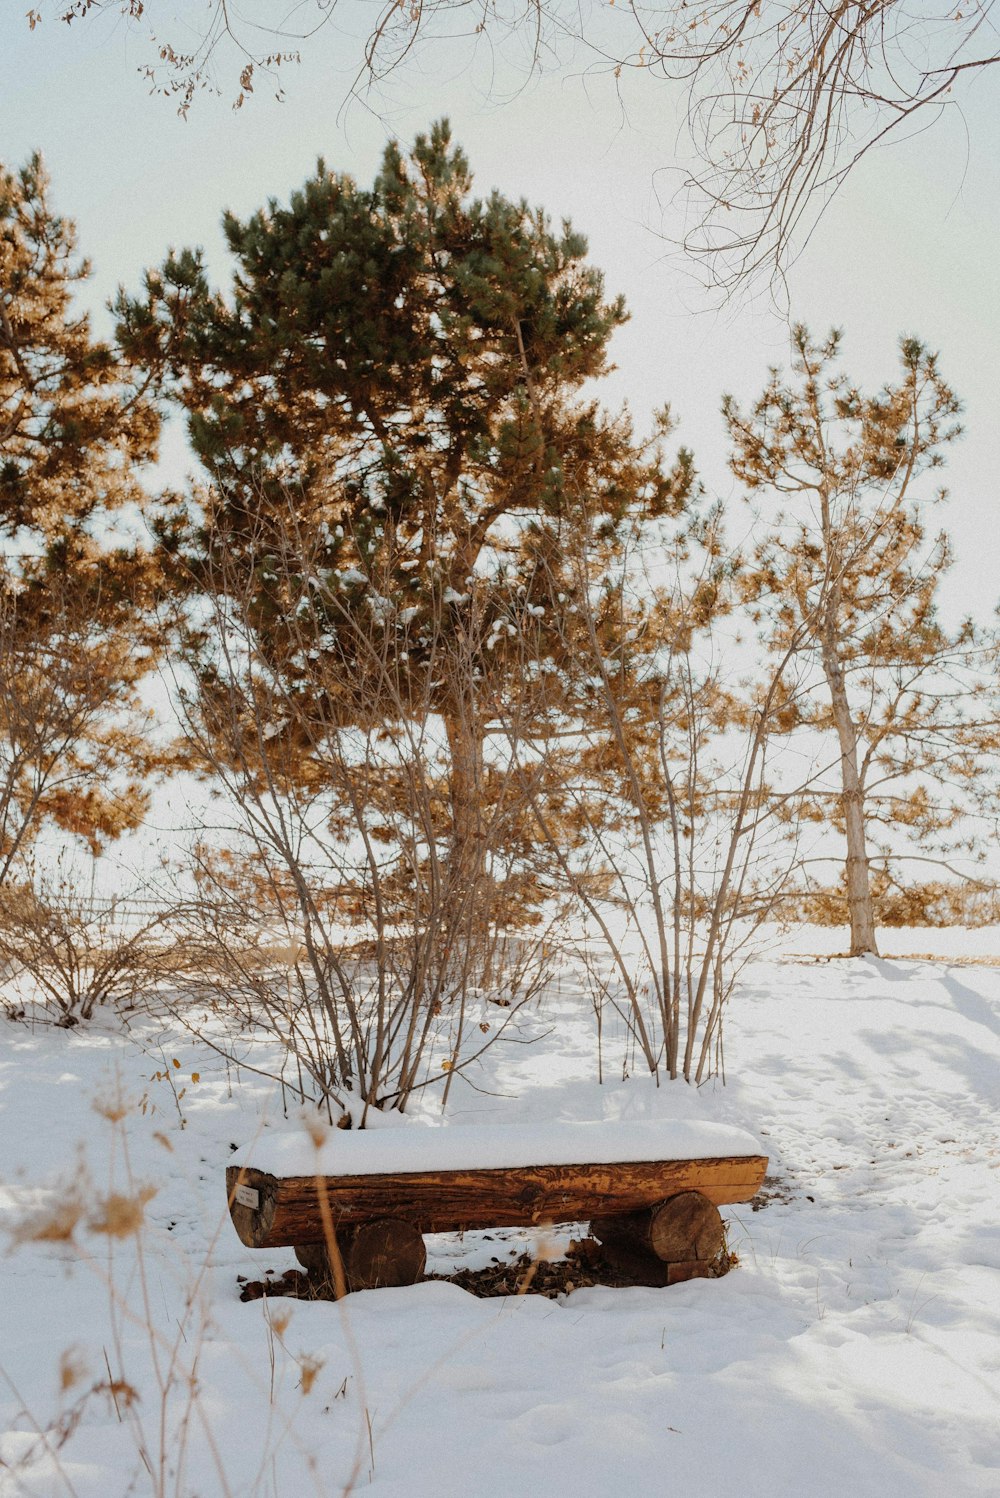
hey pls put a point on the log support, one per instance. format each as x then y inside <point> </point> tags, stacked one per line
<point>677,1239</point>
<point>373,1254</point>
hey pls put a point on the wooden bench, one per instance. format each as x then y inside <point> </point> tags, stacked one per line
<point>658,1217</point>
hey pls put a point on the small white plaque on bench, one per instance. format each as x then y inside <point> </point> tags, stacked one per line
<point>247,1196</point>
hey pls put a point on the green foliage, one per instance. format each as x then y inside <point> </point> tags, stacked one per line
<point>388,404</point>
<point>405,362</point>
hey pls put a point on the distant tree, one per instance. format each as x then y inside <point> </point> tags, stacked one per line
<point>395,378</point>
<point>75,638</point>
<point>847,570</point>
<point>784,96</point>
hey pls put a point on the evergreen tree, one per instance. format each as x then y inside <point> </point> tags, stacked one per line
<point>74,747</point>
<point>848,572</point>
<point>395,376</point>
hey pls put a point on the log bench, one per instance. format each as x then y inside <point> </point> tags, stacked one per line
<point>651,1193</point>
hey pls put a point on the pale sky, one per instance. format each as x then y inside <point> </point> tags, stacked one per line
<point>910,247</point>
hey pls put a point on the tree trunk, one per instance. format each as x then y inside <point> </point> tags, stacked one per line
<point>465,750</point>
<point>860,909</point>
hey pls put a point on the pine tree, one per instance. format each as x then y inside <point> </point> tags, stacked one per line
<point>74,634</point>
<point>847,568</point>
<point>395,375</point>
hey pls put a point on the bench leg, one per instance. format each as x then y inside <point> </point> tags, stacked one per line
<point>676,1240</point>
<point>383,1252</point>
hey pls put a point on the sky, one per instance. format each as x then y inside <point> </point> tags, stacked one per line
<point>910,246</point>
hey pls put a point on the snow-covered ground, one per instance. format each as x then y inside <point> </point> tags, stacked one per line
<point>854,1351</point>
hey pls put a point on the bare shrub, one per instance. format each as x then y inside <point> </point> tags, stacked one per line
<point>359,1018</point>
<point>681,850</point>
<point>73,953</point>
<point>370,902</point>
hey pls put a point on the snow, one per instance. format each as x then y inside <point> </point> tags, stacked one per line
<point>854,1352</point>
<point>290,1152</point>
